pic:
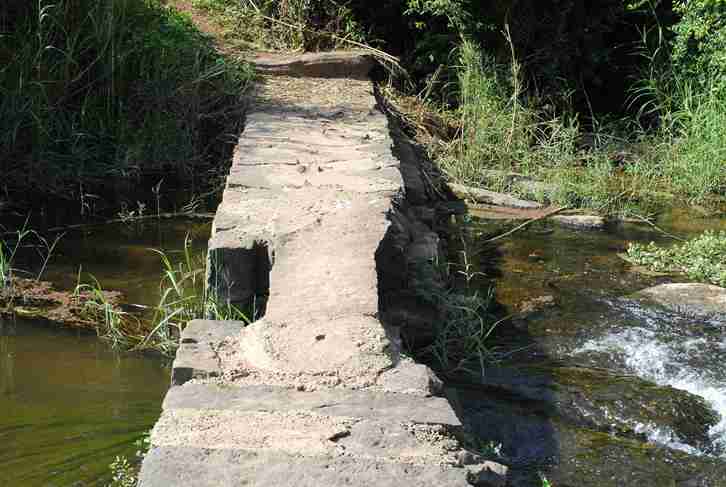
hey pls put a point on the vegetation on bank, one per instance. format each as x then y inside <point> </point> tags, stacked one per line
<point>702,258</point>
<point>182,297</point>
<point>98,96</point>
<point>616,106</point>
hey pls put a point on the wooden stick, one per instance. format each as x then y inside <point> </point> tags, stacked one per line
<point>382,54</point>
<point>519,227</point>
<point>199,216</point>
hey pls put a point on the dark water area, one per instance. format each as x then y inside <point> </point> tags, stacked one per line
<point>596,388</point>
<point>68,403</point>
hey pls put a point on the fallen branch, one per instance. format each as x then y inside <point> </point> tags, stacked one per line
<point>647,221</point>
<point>393,60</point>
<point>528,222</point>
<point>130,219</point>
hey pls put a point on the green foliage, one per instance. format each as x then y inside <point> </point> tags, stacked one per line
<point>699,46</point>
<point>696,160</point>
<point>461,342</point>
<point>702,258</point>
<point>123,473</point>
<point>182,298</point>
<point>119,328</point>
<point>91,90</point>
<point>9,252</point>
<point>287,24</point>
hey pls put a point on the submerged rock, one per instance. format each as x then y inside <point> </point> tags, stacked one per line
<point>699,300</point>
<point>581,222</point>
<point>534,442</point>
<point>599,400</point>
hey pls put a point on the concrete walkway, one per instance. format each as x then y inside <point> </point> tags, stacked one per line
<point>315,392</point>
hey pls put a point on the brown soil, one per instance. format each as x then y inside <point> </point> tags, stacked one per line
<point>27,298</point>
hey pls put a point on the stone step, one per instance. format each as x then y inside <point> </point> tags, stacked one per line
<point>199,467</point>
<point>196,357</point>
<point>364,404</point>
<point>306,433</point>
<point>334,64</point>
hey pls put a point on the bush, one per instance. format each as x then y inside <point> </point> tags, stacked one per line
<point>699,46</point>
<point>286,24</point>
<point>92,90</point>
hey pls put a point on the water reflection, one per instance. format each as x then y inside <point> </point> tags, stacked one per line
<point>69,405</point>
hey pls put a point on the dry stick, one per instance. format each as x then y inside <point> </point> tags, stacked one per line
<point>645,220</point>
<point>201,216</point>
<point>382,54</point>
<point>519,227</point>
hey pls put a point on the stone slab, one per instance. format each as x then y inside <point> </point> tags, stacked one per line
<point>581,222</point>
<point>196,357</point>
<point>198,467</point>
<point>491,197</point>
<point>334,64</point>
<point>332,402</point>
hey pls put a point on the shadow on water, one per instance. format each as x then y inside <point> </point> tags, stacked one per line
<point>593,390</point>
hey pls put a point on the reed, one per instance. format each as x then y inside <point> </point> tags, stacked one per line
<point>111,89</point>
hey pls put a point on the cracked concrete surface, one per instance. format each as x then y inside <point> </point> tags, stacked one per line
<point>315,392</point>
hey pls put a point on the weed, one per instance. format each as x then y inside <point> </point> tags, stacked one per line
<point>9,252</point>
<point>461,335</point>
<point>702,258</point>
<point>125,473</point>
<point>119,328</point>
<point>122,472</point>
<point>284,25</point>
<point>92,90</point>
<point>182,298</point>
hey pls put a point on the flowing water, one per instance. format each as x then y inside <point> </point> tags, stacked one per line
<point>605,390</point>
<point>68,404</point>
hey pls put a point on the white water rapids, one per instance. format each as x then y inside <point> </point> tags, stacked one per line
<point>670,352</point>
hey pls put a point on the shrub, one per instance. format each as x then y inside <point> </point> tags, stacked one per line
<point>92,90</point>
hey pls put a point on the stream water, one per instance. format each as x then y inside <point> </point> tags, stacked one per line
<point>603,391</point>
<point>68,404</point>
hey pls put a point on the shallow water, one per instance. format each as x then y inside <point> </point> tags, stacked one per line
<point>594,326</point>
<point>69,404</point>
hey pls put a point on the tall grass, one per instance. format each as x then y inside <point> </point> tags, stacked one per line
<point>284,24</point>
<point>695,163</point>
<point>99,89</point>
<point>500,130</point>
<point>182,297</point>
<point>461,341</point>
<point>9,252</point>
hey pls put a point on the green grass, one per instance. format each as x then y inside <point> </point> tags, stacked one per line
<point>283,25</point>
<point>10,246</point>
<point>702,258</point>
<point>461,342</point>
<point>624,169</point>
<point>182,297</point>
<point>111,89</point>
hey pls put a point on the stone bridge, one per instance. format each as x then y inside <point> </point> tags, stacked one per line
<point>322,214</point>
